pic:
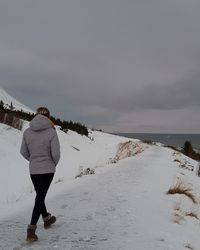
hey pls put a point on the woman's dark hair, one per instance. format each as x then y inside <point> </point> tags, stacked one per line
<point>43,111</point>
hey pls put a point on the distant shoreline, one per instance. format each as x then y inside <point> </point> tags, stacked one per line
<point>176,140</point>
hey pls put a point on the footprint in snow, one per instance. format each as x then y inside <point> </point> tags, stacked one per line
<point>64,206</point>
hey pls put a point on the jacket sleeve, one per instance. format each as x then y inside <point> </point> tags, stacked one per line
<point>24,149</point>
<point>55,149</point>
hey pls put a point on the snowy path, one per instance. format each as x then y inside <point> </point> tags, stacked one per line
<point>93,216</point>
<point>109,210</point>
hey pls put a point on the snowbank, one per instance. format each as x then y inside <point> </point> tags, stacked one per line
<point>123,205</point>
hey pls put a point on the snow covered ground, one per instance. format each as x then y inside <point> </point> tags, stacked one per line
<point>124,205</point>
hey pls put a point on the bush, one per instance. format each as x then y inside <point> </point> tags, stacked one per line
<point>189,151</point>
<point>179,188</point>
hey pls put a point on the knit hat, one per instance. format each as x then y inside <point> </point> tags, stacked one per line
<point>43,111</point>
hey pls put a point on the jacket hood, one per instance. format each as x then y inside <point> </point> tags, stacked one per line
<point>40,122</point>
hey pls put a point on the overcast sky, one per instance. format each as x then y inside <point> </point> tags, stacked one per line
<point>116,65</point>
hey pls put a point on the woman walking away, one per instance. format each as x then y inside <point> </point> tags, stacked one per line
<point>40,146</point>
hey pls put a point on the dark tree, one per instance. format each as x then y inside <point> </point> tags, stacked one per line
<point>11,106</point>
<point>188,150</point>
<point>65,125</point>
<point>1,106</point>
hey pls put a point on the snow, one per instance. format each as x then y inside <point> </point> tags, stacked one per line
<point>7,99</point>
<point>124,205</point>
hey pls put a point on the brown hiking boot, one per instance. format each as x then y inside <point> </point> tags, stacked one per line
<point>31,236</point>
<point>49,220</point>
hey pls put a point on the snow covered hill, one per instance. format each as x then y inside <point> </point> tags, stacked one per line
<point>78,153</point>
<point>8,99</point>
<point>124,205</point>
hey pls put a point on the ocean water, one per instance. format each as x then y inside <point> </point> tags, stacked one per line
<point>176,140</point>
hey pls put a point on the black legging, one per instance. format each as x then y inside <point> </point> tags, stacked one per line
<point>41,184</point>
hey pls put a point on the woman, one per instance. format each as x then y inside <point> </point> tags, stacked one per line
<point>40,146</point>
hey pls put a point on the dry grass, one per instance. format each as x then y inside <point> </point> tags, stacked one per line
<point>127,149</point>
<point>148,142</point>
<point>177,160</point>
<point>191,214</point>
<point>180,188</point>
<point>188,246</point>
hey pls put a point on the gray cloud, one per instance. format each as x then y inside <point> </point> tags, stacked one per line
<point>181,94</point>
<point>116,65</point>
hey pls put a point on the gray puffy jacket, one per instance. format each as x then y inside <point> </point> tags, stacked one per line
<point>40,146</point>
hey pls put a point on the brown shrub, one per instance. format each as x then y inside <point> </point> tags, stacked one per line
<point>179,188</point>
<point>191,214</point>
